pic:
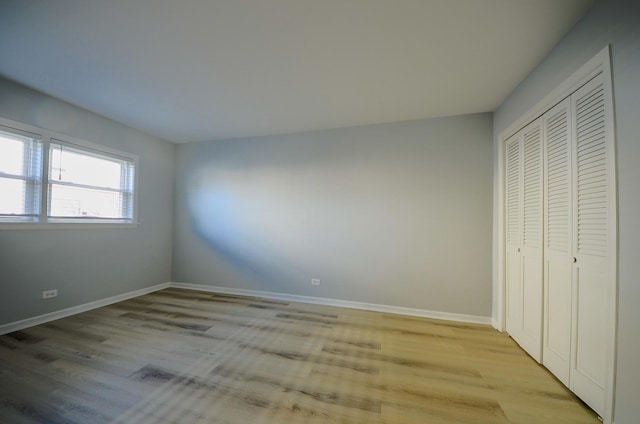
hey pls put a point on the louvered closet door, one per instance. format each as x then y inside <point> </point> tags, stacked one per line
<point>513,190</point>
<point>557,241</point>
<point>530,337</point>
<point>593,167</point>
<point>524,168</point>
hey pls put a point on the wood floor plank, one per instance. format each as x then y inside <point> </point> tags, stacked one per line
<point>180,356</point>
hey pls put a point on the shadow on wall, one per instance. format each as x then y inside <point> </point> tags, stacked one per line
<point>381,214</point>
<point>227,216</point>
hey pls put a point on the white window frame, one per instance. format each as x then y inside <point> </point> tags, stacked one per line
<point>30,182</point>
<point>46,138</point>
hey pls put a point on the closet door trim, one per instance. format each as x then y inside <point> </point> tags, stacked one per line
<point>599,64</point>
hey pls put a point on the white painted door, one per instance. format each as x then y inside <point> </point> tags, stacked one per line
<point>593,243</point>
<point>561,229</point>
<point>557,240</point>
<point>524,238</point>
<point>513,191</point>
<point>530,337</point>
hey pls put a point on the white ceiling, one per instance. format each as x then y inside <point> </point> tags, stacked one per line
<point>194,70</point>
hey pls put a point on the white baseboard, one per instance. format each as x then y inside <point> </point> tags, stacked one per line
<point>423,313</point>
<point>496,325</point>
<point>52,316</point>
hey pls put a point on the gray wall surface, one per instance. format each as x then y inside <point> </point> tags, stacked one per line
<point>616,23</point>
<point>86,264</point>
<point>396,214</point>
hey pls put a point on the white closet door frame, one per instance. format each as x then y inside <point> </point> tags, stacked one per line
<point>599,64</point>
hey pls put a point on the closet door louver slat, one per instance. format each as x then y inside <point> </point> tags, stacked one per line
<point>513,193</point>
<point>532,223</point>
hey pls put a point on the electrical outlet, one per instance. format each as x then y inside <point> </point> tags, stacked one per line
<point>315,281</point>
<point>48,294</point>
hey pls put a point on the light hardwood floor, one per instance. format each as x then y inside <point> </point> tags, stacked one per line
<point>178,356</point>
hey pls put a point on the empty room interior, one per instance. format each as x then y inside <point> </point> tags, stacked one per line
<point>319,211</point>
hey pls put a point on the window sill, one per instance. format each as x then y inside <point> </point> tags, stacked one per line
<point>66,225</point>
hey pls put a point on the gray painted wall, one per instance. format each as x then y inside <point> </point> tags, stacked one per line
<point>616,23</point>
<point>396,214</point>
<point>86,264</point>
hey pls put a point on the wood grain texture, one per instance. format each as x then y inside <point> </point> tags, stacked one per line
<point>178,356</point>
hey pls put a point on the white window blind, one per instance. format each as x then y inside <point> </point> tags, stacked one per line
<point>20,176</point>
<point>89,185</point>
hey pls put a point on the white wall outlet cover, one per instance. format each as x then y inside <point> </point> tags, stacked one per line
<point>48,294</point>
<point>315,281</point>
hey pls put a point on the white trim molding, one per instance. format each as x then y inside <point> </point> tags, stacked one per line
<point>495,324</point>
<point>63,313</point>
<point>423,313</point>
<point>596,65</point>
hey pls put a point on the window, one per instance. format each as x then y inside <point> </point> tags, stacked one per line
<point>91,185</point>
<point>83,182</point>
<point>20,176</point>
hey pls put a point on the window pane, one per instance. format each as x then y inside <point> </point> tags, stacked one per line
<point>20,171</point>
<point>89,184</point>
<point>12,200</point>
<point>79,168</point>
<point>75,202</point>
<point>11,155</point>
